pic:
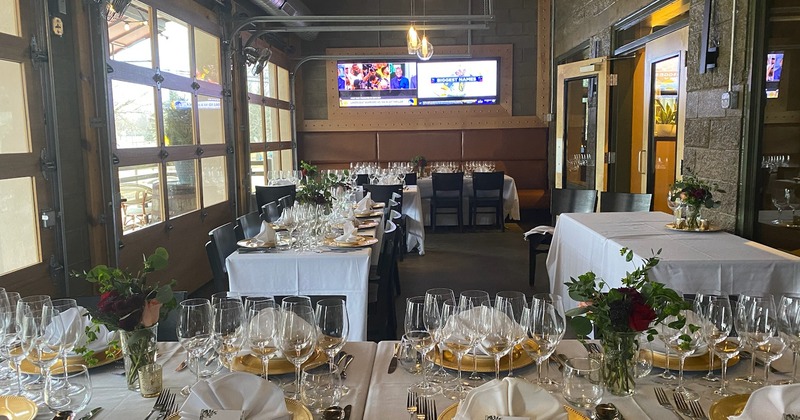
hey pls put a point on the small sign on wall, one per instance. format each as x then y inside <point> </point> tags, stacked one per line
<point>58,26</point>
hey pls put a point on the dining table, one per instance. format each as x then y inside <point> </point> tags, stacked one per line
<point>510,202</point>
<point>377,394</point>
<point>322,272</point>
<point>689,261</point>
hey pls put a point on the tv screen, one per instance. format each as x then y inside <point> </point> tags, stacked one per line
<point>376,84</point>
<point>774,70</point>
<point>463,82</point>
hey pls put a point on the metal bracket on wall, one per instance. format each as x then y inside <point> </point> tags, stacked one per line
<point>38,55</point>
<point>56,268</point>
<point>46,165</point>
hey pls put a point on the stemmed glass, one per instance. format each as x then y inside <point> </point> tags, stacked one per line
<point>195,331</point>
<point>73,331</point>
<point>422,340</point>
<point>61,399</point>
<point>684,340</point>
<point>457,337</point>
<point>558,325</point>
<point>755,321</point>
<point>40,332</point>
<point>333,327</point>
<point>789,326</point>
<point>475,299</point>
<point>518,304</point>
<point>12,348</point>
<point>434,321</point>
<point>262,330</point>
<point>544,332</point>
<point>498,332</point>
<point>229,329</point>
<point>719,321</point>
<point>7,329</point>
<point>781,203</point>
<point>298,336</point>
<point>772,349</point>
<point>702,303</point>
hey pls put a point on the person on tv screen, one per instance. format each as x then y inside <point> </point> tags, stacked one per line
<point>399,81</point>
<point>776,71</point>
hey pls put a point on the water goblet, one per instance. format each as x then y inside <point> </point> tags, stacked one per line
<point>456,337</point>
<point>684,340</point>
<point>297,338</point>
<point>422,340</point>
<point>755,320</point>
<point>701,305</point>
<point>518,303</point>
<point>333,327</point>
<point>195,332</point>
<point>262,332</point>
<point>434,299</point>
<point>559,327</point>
<point>229,329</point>
<point>498,332</point>
<point>474,300</point>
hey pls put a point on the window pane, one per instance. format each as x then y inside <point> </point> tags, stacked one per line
<point>258,170</point>
<point>273,164</point>
<point>129,38</point>
<point>215,189</point>
<point>272,124</point>
<point>134,114</point>
<point>211,125</point>
<point>9,23</point>
<point>177,108</point>
<point>270,81</point>
<point>253,81</point>
<point>182,187</point>
<point>173,45</point>
<point>14,135</point>
<point>256,124</point>
<point>206,56</point>
<point>19,229</point>
<point>138,188</point>
<point>287,163</point>
<point>283,84</point>
<point>285,125</point>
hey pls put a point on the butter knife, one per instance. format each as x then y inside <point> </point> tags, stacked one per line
<point>393,362</point>
<point>91,413</point>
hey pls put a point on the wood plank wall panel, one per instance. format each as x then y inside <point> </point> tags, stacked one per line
<point>508,144</point>
<point>434,145</point>
<point>337,147</point>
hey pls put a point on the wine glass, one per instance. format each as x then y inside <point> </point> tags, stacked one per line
<point>498,332</point>
<point>684,340</point>
<point>673,202</point>
<point>297,337</point>
<point>61,399</point>
<point>558,324</point>
<point>34,315</point>
<point>781,203</point>
<point>701,305</point>
<point>12,348</point>
<point>7,328</point>
<point>333,327</point>
<point>73,330</point>
<point>475,300</point>
<point>755,321</point>
<point>789,326</point>
<point>263,320</point>
<point>518,304</point>
<point>422,340</point>
<point>456,337</point>
<point>195,331</point>
<point>434,298</point>
<point>542,333</point>
<point>229,329</point>
<point>583,383</point>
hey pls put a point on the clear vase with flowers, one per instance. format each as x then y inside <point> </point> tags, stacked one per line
<point>693,194</point>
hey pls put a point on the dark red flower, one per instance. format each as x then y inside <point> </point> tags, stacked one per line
<point>107,300</point>
<point>641,316</point>
<point>632,295</point>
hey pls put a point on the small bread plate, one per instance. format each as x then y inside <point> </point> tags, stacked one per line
<point>295,408</point>
<point>360,243</point>
<point>728,406</point>
<point>255,243</point>
<point>711,228</point>
<point>17,408</point>
<point>251,363</point>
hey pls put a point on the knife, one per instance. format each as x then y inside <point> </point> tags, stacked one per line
<point>393,362</point>
<point>91,413</point>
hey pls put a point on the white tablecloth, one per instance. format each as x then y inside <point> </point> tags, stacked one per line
<point>415,228</point>
<point>690,261</point>
<point>510,202</point>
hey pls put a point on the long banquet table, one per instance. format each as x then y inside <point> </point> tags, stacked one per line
<point>690,262</point>
<point>510,200</point>
<point>375,394</point>
<point>415,227</point>
<point>341,272</point>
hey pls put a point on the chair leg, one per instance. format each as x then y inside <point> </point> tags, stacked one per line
<point>433,217</point>
<point>532,264</point>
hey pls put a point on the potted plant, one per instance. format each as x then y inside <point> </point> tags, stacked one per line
<point>666,119</point>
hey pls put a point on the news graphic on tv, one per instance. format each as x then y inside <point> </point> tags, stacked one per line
<point>377,84</point>
<point>466,82</point>
<point>774,70</point>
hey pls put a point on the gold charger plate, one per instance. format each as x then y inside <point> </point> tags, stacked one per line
<point>728,406</point>
<point>692,364</point>
<point>369,214</point>
<point>17,408</point>
<point>367,224</point>
<point>102,359</point>
<point>485,363</point>
<point>254,243</point>
<point>360,244</point>
<point>711,228</point>
<point>449,413</point>
<point>296,408</point>
<point>252,364</point>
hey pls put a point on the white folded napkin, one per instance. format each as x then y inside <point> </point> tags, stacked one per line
<point>257,398</point>
<point>351,216</point>
<point>349,235</point>
<point>539,230</point>
<point>771,402</point>
<point>509,397</point>
<point>365,204</point>
<point>395,215</point>
<point>267,234</point>
<point>75,321</point>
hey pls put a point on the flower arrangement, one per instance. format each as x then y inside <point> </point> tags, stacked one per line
<point>695,192</point>
<point>419,162</point>
<point>315,188</point>
<point>621,314</point>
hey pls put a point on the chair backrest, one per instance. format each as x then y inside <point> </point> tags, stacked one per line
<point>217,269</point>
<point>285,202</point>
<point>411,178</point>
<point>273,193</point>
<point>619,201</point>
<point>270,212</point>
<point>362,179</point>
<point>488,184</point>
<point>564,200</point>
<point>383,193</point>
<point>250,225</point>
<point>450,184</point>
<point>224,240</point>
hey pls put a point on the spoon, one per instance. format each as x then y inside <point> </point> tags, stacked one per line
<point>608,411</point>
<point>333,413</point>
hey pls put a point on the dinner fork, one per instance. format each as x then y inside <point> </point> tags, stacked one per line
<point>697,410</point>
<point>680,403</point>
<point>159,404</point>
<point>664,401</point>
<point>422,408</point>
<point>411,404</point>
<point>169,408</point>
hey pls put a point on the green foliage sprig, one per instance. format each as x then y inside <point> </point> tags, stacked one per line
<point>695,191</point>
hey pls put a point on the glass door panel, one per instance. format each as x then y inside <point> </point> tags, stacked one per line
<point>664,128</point>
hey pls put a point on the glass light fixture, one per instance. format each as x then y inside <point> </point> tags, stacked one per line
<point>412,40</point>
<point>425,51</point>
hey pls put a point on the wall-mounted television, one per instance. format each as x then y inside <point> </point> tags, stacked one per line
<point>774,70</point>
<point>409,83</point>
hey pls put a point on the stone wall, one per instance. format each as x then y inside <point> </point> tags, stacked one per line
<point>577,21</point>
<point>515,24</point>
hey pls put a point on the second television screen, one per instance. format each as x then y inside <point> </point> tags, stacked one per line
<point>458,82</point>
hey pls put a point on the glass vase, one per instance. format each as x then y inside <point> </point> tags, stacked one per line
<point>620,350</point>
<point>692,215</point>
<point>138,349</point>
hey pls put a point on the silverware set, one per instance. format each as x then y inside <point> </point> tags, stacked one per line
<point>421,408</point>
<point>165,405</point>
<point>691,409</point>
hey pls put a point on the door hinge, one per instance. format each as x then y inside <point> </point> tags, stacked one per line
<point>46,165</point>
<point>613,79</point>
<point>38,55</point>
<point>56,268</point>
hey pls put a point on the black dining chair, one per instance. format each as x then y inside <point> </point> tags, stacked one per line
<point>222,243</point>
<point>448,193</point>
<point>561,201</point>
<point>362,179</point>
<point>487,192</point>
<point>383,194</point>
<point>381,313</point>
<point>285,202</point>
<point>248,225</point>
<point>270,212</point>
<point>411,178</point>
<point>620,201</point>
<point>273,193</point>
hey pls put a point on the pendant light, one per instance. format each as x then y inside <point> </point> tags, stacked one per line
<point>412,39</point>
<point>425,50</point>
